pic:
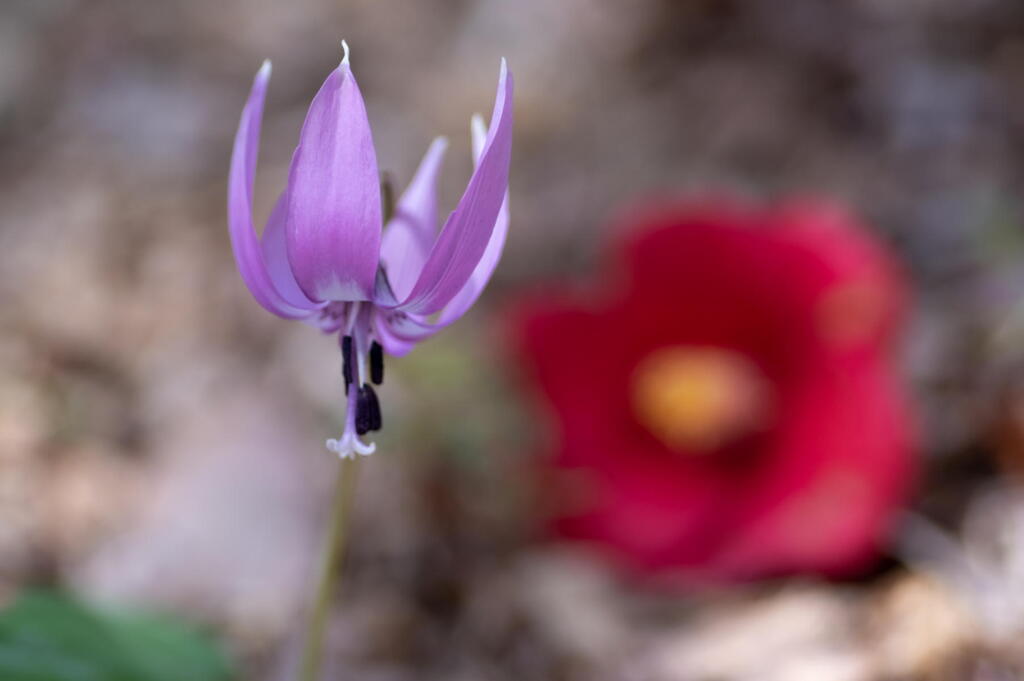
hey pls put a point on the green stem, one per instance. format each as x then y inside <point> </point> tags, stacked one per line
<point>344,489</point>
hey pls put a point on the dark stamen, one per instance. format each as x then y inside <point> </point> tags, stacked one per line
<point>364,410</point>
<point>346,361</point>
<point>376,363</point>
<point>374,407</point>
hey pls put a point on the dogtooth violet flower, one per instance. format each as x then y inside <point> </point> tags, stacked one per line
<point>325,256</point>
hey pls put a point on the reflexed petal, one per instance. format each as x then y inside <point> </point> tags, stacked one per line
<point>469,293</point>
<point>468,229</point>
<point>246,247</point>
<point>409,326</point>
<point>412,328</point>
<point>411,232</point>
<point>275,254</point>
<point>334,212</point>
<point>392,344</point>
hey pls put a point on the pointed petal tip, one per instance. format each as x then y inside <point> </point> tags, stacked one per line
<point>263,75</point>
<point>505,81</point>
<point>344,47</point>
<point>504,75</point>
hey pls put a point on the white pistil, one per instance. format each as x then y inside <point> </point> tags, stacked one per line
<point>349,445</point>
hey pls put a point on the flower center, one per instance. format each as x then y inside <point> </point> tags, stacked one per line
<point>696,399</point>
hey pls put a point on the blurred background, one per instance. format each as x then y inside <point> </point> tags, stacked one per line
<point>161,435</point>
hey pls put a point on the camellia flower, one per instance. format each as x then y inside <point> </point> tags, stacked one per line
<point>322,257</point>
<point>728,409</point>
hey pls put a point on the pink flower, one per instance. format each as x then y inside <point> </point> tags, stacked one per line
<point>324,258</point>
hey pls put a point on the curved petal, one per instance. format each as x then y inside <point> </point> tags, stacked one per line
<point>469,293</point>
<point>468,229</point>
<point>275,255</point>
<point>393,345</point>
<point>244,244</point>
<point>334,212</point>
<point>409,326</point>
<point>404,330</point>
<point>410,233</point>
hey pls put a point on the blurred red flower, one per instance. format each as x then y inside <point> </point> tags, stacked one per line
<point>729,409</point>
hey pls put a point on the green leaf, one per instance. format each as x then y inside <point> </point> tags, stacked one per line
<point>48,636</point>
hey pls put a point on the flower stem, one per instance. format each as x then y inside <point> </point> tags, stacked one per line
<point>337,531</point>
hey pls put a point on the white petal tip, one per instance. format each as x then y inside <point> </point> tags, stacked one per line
<point>440,142</point>
<point>476,124</point>
<point>504,67</point>
<point>344,47</point>
<point>264,71</point>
